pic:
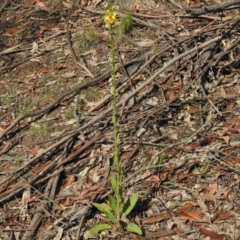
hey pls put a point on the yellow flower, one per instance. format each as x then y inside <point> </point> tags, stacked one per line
<point>110,18</point>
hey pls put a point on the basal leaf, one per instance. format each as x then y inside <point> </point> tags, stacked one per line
<point>113,203</point>
<point>134,228</point>
<point>114,183</point>
<point>104,208</point>
<point>130,204</point>
<point>97,228</point>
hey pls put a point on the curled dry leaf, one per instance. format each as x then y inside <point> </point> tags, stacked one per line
<point>41,167</point>
<point>207,231</point>
<point>222,215</point>
<point>156,218</point>
<point>35,150</point>
<point>171,95</point>
<point>225,138</point>
<point>201,203</point>
<point>11,32</point>
<point>68,182</point>
<point>25,198</point>
<point>39,4</point>
<point>212,188</point>
<point>191,215</point>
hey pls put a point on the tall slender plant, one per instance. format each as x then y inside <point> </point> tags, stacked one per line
<point>118,206</point>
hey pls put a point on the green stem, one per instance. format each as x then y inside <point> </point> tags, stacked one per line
<point>117,160</point>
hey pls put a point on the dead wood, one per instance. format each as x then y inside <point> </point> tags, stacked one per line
<point>212,9</point>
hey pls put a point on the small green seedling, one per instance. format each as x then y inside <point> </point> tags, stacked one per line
<point>125,24</point>
<point>39,131</point>
<point>8,100</point>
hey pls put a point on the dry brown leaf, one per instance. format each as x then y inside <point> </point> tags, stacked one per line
<point>6,147</point>
<point>65,203</point>
<point>132,235</point>
<point>197,2</point>
<point>209,140</point>
<point>184,176</point>
<point>6,125</point>
<point>136,5</point>
<point>223,92</point>
<point>43,70</point>
<point>35,150</point>
<point>225,138</point>
<point>102,84</point>
<point>171,95</point>
<point>209,197</point>
<point>25,198</point>
<point>212,188</point>
<point>41,167</point>
<point>222,215</point>
<point>187,205</point>
<point>39,4</point>
<point>68,182</point>
<point>11,32</point>
<point>232,104</point>
<point>60,66</point>
<point>156,218</point>
<point>235,162</point>
<point>207,231</point>
<point>154,178</point>
<point>137,220</point>
<point>192,109</point>
<point>191,147</point>
<point>190,215</point>
<point>202,204</point>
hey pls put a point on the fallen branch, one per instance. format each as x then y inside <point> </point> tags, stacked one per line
<point>79,63</point>
<point>214,8</point>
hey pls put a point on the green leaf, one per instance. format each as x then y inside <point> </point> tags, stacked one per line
<point>121,199</point>
<point>115,184</point>
<point>130,204</point>
<point>113,203</point>
<point>97,228</point>
<point>134,228</point>
<point>104,208</point>
<point>118,135</point>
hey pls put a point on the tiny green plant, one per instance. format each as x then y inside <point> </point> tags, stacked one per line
<point>18,162</point>
<point>125,24</point>
<point>161,158</point>
<point>8,100</point>
<point>24,109</point>
<point>176,204</point>
<point>39,131</point>
<point>87,39</point>
<point>200,169</point>
<point>118,206</point>
<point>91,93</point>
